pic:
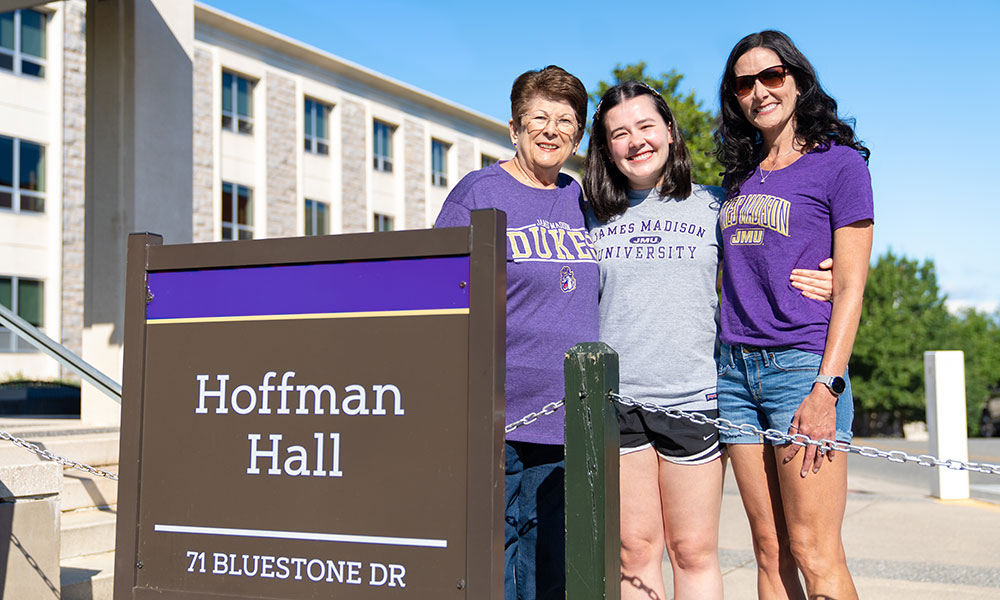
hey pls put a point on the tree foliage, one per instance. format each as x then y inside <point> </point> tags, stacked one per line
<point>902,317</point>
<point>977,335</point>
<point>695,122</point>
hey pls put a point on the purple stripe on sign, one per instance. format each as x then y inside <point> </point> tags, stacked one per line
<point>388,285</point>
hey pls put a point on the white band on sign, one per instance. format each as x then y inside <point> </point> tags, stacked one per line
<point>304,535</point>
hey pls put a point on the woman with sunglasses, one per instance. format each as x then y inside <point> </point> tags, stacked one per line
<point>797,188</point>
<point>658,249</point>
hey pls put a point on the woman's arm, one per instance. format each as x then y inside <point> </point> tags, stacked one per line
<point>815,285</point>
<point>816,417</point>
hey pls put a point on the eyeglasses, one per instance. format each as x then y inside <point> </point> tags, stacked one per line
<point>771,78</point>
<point>537,122</point>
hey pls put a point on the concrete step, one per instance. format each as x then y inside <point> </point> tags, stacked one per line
<point>88,531</point>
<point>84,490</point>
<point>95,449</point>
<point>50,425</point>
<point>88,577</point>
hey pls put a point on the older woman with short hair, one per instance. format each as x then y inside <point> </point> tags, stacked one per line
<point>552,283</point>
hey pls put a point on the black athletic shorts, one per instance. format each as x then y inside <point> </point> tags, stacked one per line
<point>677,440</point>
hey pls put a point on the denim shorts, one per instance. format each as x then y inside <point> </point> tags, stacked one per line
<point>765,386</point>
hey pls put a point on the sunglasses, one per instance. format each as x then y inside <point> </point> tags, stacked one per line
<point>771,77</point>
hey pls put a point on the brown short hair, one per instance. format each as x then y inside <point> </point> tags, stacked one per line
<point>553,83</point>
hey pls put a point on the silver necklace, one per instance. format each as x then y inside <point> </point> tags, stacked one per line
<point>760,166</point>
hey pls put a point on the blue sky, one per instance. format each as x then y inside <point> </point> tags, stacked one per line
<point>920,77</point>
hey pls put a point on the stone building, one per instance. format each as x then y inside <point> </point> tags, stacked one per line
<point>288,140</point>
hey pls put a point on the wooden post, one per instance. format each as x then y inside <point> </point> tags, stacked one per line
<point>593,567</point>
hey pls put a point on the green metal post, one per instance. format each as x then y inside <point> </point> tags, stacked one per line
<point>593,567</point>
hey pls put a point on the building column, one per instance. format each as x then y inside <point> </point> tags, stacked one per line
<point>415,184</point>
<point>354,202</point>
<point>139,159</point>
<point>282,142</point>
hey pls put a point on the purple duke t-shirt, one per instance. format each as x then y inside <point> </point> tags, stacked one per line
<point>552,280</point>
<point>787,223</point>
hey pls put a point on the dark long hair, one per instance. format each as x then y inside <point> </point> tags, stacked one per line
<point>738,144</point>
<point>606,187</point>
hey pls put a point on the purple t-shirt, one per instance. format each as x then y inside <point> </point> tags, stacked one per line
<point>552,280</point>
<point>787,223</point>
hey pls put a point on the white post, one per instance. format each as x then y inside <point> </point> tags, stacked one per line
<point>946,421</point>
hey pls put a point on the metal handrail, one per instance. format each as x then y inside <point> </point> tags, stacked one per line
<point>85,370</point>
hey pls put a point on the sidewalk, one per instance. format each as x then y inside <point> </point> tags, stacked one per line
<point>900,542</point>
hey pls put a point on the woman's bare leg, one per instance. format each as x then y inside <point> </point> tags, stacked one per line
<point>691,499</point>
<point>756,474</point>
<point>814,513</point>
<point>641,527</point>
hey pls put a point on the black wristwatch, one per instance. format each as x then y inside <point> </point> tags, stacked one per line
<point>835,384</point>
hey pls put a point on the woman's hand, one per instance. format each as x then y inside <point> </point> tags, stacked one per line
<point>816,285</point>
<point>816,417</point>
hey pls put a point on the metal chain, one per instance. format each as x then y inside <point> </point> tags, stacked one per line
<point>773,435</point>
<point>530,418</point>
<point>45,454</point>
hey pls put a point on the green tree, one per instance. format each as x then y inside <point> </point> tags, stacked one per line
<point>695,122</point>
<point>976,334</point>
<point>903,316</point>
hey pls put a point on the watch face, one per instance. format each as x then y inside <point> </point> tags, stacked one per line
<point>838,385</point>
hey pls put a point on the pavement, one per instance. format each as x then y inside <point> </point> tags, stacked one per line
<point>901,543</point>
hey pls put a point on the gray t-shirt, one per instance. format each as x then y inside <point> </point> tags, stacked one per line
<point>658,300</point>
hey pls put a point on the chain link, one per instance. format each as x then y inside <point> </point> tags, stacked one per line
<point>773,435</point>
<point>530,418</point>
<point>46,455</point>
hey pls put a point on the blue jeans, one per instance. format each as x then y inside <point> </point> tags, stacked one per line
<point>765,386</point>
<point>534,557</point>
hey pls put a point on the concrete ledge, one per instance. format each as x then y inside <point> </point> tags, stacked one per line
<point>38,479</point>
<point>30,565</point>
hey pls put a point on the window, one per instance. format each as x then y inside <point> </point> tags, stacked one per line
<point>317,133</point>
<point>383,222</point>
<point>383,146</point>
<point>22,42</point>
<point>439,163</point>
<point>22,175</point>
<point>24,297</point>
<point>237,103</point>
<point>487,160</point>
<point>317,217</point>
<point>237,212</point>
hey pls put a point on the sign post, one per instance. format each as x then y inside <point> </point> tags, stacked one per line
<point>314,417</point>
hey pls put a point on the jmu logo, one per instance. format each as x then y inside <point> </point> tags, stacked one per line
<point>567,279</point>
<point>747,237</point>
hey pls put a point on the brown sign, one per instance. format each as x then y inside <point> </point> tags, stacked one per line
<point>314,417</point>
